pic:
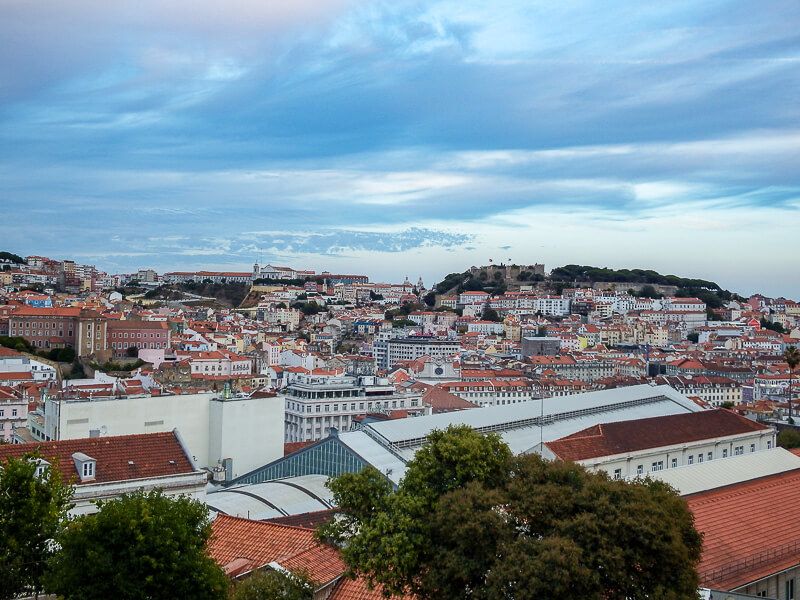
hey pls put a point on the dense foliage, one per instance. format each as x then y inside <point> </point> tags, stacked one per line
<point>593,274</point>
<point>274,585</point>
<point>33,509</point>
<point>15,258</point>
<point>789,438</point>
<point>469,520</point>
<point>138,547</point>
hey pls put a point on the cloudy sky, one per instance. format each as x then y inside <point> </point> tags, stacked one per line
<point>405,138</point>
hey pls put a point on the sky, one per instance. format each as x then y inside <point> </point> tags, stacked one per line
<point>405,138</point>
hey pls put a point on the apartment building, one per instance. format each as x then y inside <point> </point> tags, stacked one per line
<point>150,335</point>
<point>82,329</point>
<point>387,353</point>
<point>316,404</point>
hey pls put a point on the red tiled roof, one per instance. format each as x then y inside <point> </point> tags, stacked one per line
<point>629,436</point>
<point>321,563</point>
<point>749,530</point>
<point>309,520</point>
<point>152,454</point>
<point>440,400</point>
<point>289,447</point>
<point>256,541</point>
<point>357,589</point>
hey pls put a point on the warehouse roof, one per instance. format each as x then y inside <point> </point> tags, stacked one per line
<point>622,437</point>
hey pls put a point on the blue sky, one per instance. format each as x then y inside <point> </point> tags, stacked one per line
<point>405,138</point>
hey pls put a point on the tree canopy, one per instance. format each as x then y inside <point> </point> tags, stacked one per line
<point>33,508</point>
<point>140,546</point>
<point>469,520</point>
<point>274,585</point>
<point>10,256</point>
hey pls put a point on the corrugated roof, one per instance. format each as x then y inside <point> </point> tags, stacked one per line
<point>701,477</point>
<point>276,498</point>
<point>494,416</point>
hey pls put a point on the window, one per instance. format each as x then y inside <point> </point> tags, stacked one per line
<point>13,412</point>
<point>710,456</point>
<point>674,463</point>
<point>690,461</point>
<point>752,447</point>
<point>790,590</point>
<point>700,457</point>
<point>769,444</point>
<point>88,469</point>
<point>617,473</point>
<point>724,453</point>
<point>640,469</point>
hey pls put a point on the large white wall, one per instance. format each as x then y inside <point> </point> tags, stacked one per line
<point>247,430</point>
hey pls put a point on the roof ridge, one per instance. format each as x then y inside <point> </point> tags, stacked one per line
<point>269,523</point>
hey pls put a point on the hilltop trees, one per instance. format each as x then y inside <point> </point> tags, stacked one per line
<point>469,520</point>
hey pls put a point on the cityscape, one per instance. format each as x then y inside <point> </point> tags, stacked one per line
<point>348,300</point>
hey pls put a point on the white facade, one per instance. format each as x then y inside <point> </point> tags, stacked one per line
<point>20,363</point>
<point>315,404</point>
<point>640,463</point>
<point>247,430</point>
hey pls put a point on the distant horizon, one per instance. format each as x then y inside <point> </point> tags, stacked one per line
<point>353,270</point>
<point>406,138</point>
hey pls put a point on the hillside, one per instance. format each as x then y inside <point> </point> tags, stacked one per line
<point>496,280</point>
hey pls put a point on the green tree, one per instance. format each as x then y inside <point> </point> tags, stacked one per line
<point>274,585</point>
<point>789,438</point>
<point>490,314</point>
<point>470,521</point>
<point>140,546</point>
<point>792,358</point>
<point>33,509</point>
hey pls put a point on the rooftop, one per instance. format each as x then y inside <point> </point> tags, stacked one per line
<point>119,458</point>
<point>749,529</point>
<point>608,439</point>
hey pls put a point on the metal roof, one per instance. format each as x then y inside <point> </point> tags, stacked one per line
<point>691,479</point>
<point>276,498</point>
<point>389,445</point>
<point>411,431</point>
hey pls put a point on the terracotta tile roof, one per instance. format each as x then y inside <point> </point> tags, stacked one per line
<point>289,447</point>
<point>357,589</point>
<point>153,455</point>
<point>256,541</point>
<point>440,400</point>
<point>749,529</point>
<point>629,436</point>
<point>309,520</point>
<point>321,563</point>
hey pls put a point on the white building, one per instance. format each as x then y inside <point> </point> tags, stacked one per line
<point>104,468</point>
<point>388,352</point>
<point>634,448</point>
<point>12,361</point>
<point>486,327</point>
<point>315,404</point>
<point>247,430</point>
